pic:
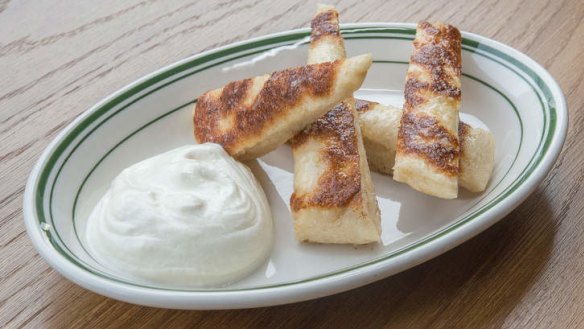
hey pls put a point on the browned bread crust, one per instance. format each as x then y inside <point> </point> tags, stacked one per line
<point>326,42</point>
<point>251,117</point>
<point>333,199</point>
<point>324,23</point>
<point>281,91</point>
<point>427,156</point>
<point>379,125</point>
<point>423,136</point>
<point>340,183</point>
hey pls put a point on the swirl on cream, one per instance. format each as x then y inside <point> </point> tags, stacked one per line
<point>190,217</point>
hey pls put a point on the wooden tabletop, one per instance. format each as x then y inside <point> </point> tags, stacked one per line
<point>57,58</point>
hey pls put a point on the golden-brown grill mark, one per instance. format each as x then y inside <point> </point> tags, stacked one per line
<point>325,24</point>
<point>412,92</point>
<point>414,89</point>
<point>441,51</point>
<point>234,93</point>
<point>424,136</point>
<point>363,105</point>
<point>428,28</point>
<point>281,91</point>
<point>209,111</point>
<point>437,53</point>
<point>340,185</point>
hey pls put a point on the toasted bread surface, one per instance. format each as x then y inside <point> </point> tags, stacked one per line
<point>379,125</point>
<point>333,194</point>
<point>252,117</point>
<point>333,199</point>
<point>427,153</point>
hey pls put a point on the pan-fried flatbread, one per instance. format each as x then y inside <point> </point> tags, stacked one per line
<point>252,117</point>
<point>326,42</point>
<point>477,157</point>
<point>427,154</point>
<point>379,125</point>
<point>333,199</point>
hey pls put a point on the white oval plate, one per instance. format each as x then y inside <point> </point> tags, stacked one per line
<point>506,90</point>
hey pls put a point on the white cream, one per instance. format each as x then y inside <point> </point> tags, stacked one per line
<point>191,217</point>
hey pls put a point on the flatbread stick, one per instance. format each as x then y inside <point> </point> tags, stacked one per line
<point>252,117</point>
<point>379,125</point>
<point>427,153</point>
<point>333,199</point>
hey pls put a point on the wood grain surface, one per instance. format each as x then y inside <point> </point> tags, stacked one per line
<point>57,58</point>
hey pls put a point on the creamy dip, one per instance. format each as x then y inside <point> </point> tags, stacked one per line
<point>190,217</point>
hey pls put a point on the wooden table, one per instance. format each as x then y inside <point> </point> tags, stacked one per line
<point>58,58</point>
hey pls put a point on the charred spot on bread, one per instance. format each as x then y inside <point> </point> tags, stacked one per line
<point>210,110</point>
<point>438,51</point>
<point>340,184</point>
<point>282,90</point>
<point>323,24</point>
<point>423,136</point>
<point>363,105</point>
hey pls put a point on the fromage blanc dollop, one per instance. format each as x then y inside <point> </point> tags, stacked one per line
<point>190,217</point>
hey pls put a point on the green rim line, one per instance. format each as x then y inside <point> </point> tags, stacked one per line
<point>290,37</point>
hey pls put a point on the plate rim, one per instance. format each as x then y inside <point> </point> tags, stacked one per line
<point>309,289</point>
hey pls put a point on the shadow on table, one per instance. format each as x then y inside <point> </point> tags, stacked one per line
<point>477,284</point>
